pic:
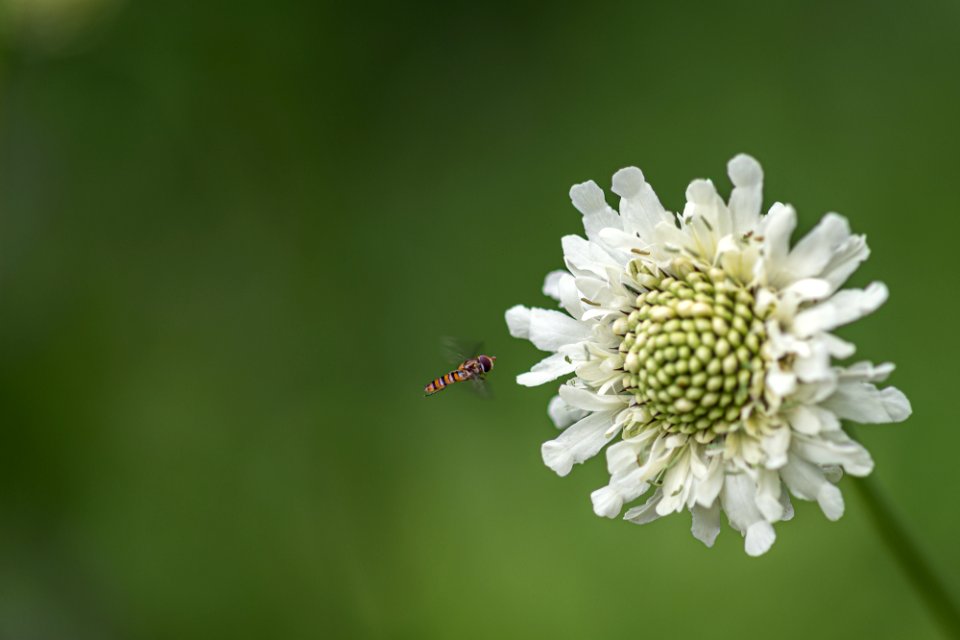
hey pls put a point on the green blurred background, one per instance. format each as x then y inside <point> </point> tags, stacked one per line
<point>232,234</point>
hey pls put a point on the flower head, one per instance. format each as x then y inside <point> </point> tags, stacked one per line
<point>703,340</point>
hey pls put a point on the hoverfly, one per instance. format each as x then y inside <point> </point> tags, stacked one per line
<point>473,366</point>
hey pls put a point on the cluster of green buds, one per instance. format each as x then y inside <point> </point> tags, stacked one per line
<point>692,349</point>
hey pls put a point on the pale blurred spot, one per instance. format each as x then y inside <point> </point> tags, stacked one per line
<point>52,26</point>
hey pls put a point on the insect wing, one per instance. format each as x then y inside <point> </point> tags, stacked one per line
<point>481,388</point>
<point>458,350</point>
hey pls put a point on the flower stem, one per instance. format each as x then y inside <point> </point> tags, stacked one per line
<point>929,586</point>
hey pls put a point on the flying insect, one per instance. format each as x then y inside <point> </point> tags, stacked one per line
<point>473,368</point>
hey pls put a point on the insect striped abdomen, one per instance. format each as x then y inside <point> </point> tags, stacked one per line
<point>444,381</point>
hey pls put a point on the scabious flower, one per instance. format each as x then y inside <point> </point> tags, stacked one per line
<point>703,340</point>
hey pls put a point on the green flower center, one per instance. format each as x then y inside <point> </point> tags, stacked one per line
<point>692,349</point>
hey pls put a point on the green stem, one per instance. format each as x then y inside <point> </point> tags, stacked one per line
<point>929,586</point>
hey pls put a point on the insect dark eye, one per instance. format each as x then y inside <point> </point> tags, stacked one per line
<point>486,363</point>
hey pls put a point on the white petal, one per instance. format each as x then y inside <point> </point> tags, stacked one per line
<point>813,252</point>
<point>622,457</point>
<point>866,371</point>
<point>587,197</point>
<point>787,506</point>
<point>623,241</point>
<point>781,343</point>
<point>639,206</point>
<point>844,307</point>
<point>570,296</point>
<point>647,512</point>
<point>807,481</point>
<point>775,445</point>
<point>676,485</point>
<point>602,373</point>
<point>845,260</point>
<point>550,368</point>
<point>766,299</point>
<point>578,443</point>
<point>592,287</point>
<point>775,229</point>
<point>803,420</point>
<point>518,321</point>
<point>768,494</point>
<point>815,365</point>
<point>547,329</point>
<point>812,393</point>
<point>737,259</point>
<point>583,257</point>
<point>562,414</point>
<point>760,537</point>
<point>834,448</point>
<point>588,400</point>
<point>673,240</point>
<point>708,489</point>
<point>808,289</point>
<point>838,348</point>
<point>863,402</point>
<point>706,217</point>
<point>831,501</point>
<point>551,284</point>
<point>607,502</point>
<point>589,200</point>
<point>781,383</point>
<point>737,499</point>
<point>802,478</point>
<point>595,224</point>
<point>811,419</point>
<point>744,515</point>
<point>656,459</point>
<point>745,200</point>
<point>706,522</point>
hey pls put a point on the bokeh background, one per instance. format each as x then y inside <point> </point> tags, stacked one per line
<point>232,235</point>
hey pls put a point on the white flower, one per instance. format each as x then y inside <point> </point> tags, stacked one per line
<point>703,340</point>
